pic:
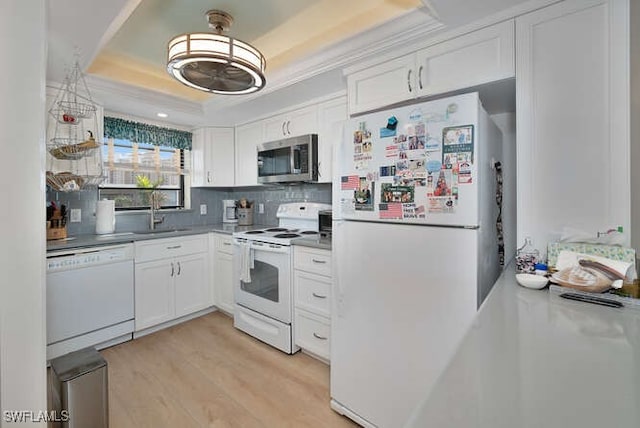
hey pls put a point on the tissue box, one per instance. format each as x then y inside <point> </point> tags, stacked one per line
<point>613,252</point>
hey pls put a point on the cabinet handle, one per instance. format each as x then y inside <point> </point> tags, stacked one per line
<point>174,247</point>
<point>420,76</point>
<point>226,243</point>
<point>283,125</point>
<point>208,176</point>
<point>409,80</point>
<point>288,127</point>
<point>321,262</point>
<point>319,296</point>
<point>179,268</point>
<point>173,269</point>
<point>317,336</point>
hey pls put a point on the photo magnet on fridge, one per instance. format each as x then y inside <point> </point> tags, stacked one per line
<point>364,195</point>
<point>457,144</point>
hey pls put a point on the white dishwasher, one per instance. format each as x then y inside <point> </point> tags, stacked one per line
<point>89,298</point>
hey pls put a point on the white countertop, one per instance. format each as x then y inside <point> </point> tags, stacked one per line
<point>533,360</point>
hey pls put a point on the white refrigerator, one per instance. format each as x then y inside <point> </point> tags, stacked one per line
<point>415,250</point>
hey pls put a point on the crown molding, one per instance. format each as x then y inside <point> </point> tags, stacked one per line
<point>106,86</point>
<point>145,103</point>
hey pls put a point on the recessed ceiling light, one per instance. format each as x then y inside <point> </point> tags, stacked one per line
<point>163,115</point>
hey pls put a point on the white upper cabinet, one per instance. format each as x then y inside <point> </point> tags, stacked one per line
<point>297,122</point>
<point>483,56</point>
<point>572,114</point>
<point>212,155</point>
<point>331,117</point>
<point>478,57</point>
<point>247,139</point>
<point>384,84</point>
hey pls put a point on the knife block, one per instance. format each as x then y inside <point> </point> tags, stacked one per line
<point>56,233</point>
<point>55,227</point>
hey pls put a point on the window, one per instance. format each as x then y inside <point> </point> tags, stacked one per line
<point>126,162</point>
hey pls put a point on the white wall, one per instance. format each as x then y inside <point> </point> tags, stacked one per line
<point>22,256</point>
<point>635,125</point>
<point>507,124</point>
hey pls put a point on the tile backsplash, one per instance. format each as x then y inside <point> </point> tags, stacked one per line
<point>271,196</point>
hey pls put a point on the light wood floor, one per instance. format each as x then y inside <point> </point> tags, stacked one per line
<point>205,373</point>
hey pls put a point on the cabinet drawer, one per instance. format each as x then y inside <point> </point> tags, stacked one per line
<point>312,292</point>
<point>169,247</point>
<point>312,260</point>
<point>313,334</point>
<point>224,243</point>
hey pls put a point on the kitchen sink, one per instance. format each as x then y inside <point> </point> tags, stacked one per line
<point>163,231</point>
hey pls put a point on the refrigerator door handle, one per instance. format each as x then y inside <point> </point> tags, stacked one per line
<point>339,294</point>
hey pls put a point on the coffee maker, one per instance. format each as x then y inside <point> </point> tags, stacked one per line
<point>229,211</point>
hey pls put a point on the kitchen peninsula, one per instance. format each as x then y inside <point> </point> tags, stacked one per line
<point>532,359</point>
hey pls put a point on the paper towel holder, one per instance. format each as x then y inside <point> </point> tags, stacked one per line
<point>105,216</point>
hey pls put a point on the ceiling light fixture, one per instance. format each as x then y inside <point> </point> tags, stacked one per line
<point>213,62</point>
<point>163,115</point>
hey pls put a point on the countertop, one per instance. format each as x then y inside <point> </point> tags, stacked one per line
<point>83,241</point>
<point>533,359</point>
<point>321,242</point>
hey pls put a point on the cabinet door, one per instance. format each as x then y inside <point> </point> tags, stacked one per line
<point>223,269</point>
<point>297,122</point>
<point>247,139</point>
<point>154,299</point>
<point>302,121</point>
<point>275,128</point>
<point>382,85</point>
<point>572,110</point>
<point>198,144</point>
<point>483,56</point>
<point>331,117</point>
<point>220,157</point>
<point>191,284</point>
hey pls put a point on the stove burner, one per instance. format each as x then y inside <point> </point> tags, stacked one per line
<point>309,232</point>
<point>286,235</point>
<point>277,229</point>
<point>254,232</point>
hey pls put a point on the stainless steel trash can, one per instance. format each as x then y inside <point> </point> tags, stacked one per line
<point>79,385</point>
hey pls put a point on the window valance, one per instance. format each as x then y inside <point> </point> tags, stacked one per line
<point>143,133</point>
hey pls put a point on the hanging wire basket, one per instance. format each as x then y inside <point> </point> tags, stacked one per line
<point>74,159</point>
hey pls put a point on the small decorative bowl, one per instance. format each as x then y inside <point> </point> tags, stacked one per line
<point>537,282</point>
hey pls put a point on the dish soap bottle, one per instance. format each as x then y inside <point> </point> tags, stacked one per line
<point>527,257</point>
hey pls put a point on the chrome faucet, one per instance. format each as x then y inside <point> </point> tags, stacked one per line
<point>153,220</point>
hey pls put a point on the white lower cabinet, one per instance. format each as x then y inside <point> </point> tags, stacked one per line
<point>171,279</point>
<point>154,298</point>
<point>191,284</point>
<point>312,297</point>
<point>223,271</point>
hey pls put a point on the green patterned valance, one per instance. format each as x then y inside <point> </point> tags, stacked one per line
<point>146,134</point>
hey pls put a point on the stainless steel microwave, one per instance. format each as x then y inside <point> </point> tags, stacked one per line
<point>292,159</point>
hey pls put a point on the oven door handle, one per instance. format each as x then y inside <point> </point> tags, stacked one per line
<point>269,248</point>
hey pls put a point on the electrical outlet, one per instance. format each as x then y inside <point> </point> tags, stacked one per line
<point>260,208</point>
<point>76,215</point>
<point>203,209</point>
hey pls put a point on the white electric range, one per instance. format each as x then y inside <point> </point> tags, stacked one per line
<point>263,274</point>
